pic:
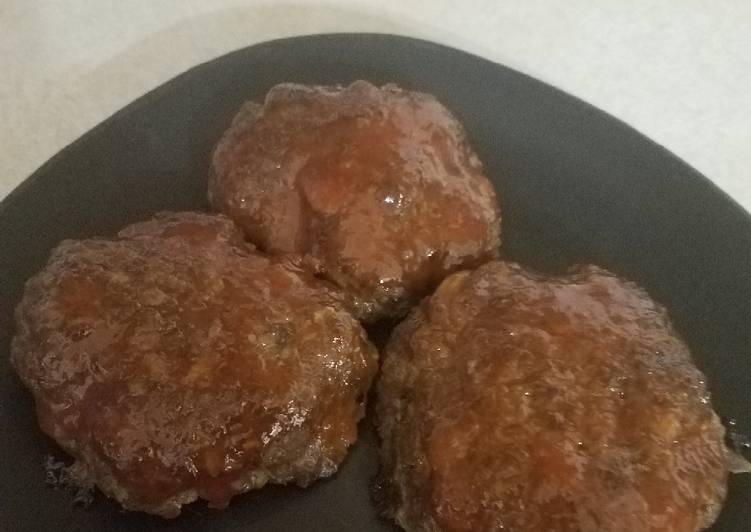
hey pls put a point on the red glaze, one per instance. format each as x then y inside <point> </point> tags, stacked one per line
<point>513,401</point>
<point>378,188</point>
<point>175,363</point>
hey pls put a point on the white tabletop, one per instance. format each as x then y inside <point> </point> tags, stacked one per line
<point>679,71</point>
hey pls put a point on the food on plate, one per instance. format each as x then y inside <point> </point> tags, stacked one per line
<point>510,400</point>
<point>174,363</point>
<point>377,188</point>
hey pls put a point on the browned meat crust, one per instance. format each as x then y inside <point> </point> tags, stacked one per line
<point>378,188</point>
<point>173,363</point>
<point>513,401</point>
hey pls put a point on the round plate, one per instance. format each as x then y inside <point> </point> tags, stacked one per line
<point>575,185</point>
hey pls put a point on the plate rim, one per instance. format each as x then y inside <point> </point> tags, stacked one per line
<point>162,90</point>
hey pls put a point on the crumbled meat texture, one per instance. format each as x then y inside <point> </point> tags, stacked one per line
<point>174,363</point>
<point>376,187</point>
<point>513,401</point>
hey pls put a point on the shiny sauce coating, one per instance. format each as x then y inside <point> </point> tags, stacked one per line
<point>514,401</point>
<point>376,187</point>
<point>174,363</point>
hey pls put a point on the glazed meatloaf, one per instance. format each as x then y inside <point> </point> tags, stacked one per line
<point>174,363</point>
<point>515,401</point>
<point>377,188</point>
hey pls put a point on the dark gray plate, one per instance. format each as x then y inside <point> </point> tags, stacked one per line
<point>575,185</point>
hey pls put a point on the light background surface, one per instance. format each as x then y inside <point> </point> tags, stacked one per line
<point>677,70</point>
